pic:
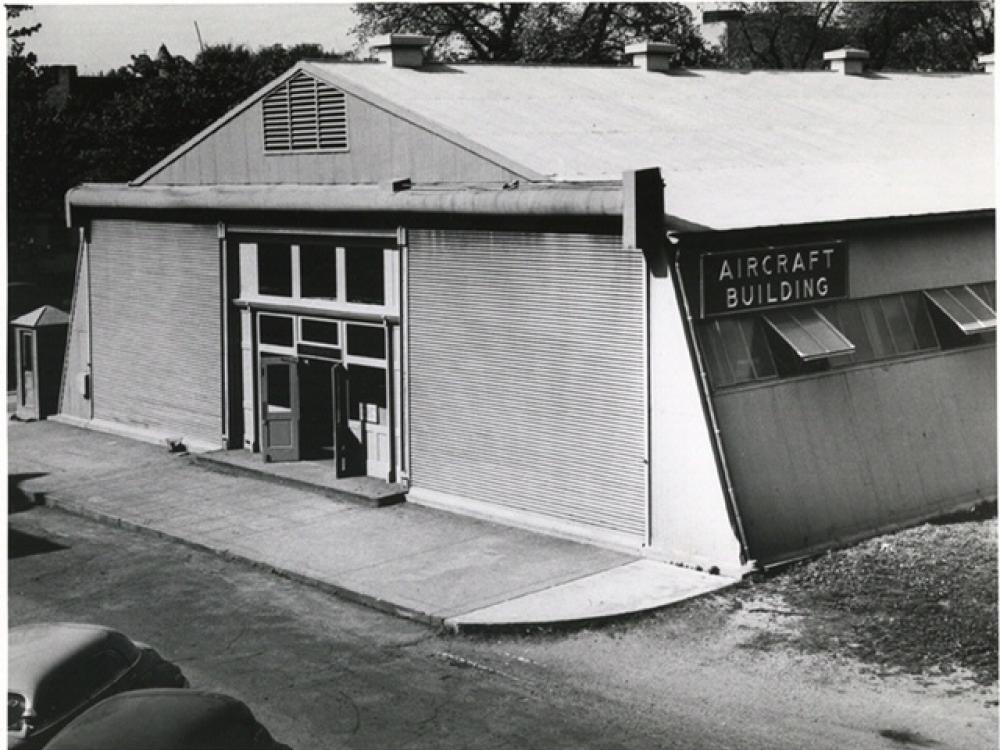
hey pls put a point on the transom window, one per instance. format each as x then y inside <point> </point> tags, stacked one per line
<point>323,271</point>
<point>322,332</point>
<point>274,269</point>
<point>277,330</point>
<point>318,270</point>
<point>282,333</point>
<point>365,273</point>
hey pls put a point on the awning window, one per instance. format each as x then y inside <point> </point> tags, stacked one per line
<point>963,308</point>
<point>810,335</point>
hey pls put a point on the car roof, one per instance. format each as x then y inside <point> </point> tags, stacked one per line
<point>160,719</point>
<point>37,652</point>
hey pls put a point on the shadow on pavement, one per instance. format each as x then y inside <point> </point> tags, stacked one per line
<point>20,544</point>
<point>17,499</point>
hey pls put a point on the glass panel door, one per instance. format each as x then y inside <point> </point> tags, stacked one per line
<point>279,409</point>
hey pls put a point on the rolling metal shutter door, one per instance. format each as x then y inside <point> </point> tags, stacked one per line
<point>527,374</point>
<point>156,331</point>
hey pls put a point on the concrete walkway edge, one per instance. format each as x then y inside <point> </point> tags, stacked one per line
<point>440,568</point>
<point>52,500</point>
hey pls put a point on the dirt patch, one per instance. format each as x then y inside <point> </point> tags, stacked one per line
<point>922,601</point>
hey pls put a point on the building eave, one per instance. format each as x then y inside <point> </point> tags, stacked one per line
<point>561,199</point>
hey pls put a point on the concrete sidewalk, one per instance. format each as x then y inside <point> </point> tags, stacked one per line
<point>437,567</point>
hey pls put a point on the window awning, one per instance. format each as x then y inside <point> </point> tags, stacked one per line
<point>810,335</point>
<point>964,308</point>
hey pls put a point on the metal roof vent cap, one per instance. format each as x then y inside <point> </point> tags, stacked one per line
<point>847,60</point>
<point>400,50</point>
<point>986,62</point>
<point>653,56</point>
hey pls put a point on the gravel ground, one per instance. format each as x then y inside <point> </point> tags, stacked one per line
<point>922,601</point>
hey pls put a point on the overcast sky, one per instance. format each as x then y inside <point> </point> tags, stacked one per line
<point>97,38</point>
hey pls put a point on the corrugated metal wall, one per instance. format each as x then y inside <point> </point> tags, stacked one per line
<point>527,373</point>
<point>824,459</point>
<point>156,331</point>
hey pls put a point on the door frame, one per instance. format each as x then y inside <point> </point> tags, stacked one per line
<point>22,337</point>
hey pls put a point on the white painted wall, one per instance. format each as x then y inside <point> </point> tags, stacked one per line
<point>689,521</point>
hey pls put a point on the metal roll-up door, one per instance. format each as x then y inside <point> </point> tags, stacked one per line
<point>155,327</point>
<point>527,374</point>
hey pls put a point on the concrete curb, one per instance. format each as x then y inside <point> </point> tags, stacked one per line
<point>49,500</point>
<point>441,623</point>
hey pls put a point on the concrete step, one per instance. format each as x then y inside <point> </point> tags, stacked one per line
<point>310,476</point>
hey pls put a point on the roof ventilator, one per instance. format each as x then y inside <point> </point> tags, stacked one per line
<point>400,50</point>
<point>849,61</point>
<point>653,56</point>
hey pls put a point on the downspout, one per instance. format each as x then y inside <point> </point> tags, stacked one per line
<point>224,330</point>
<point>390,400</point>
<point>709,408</point>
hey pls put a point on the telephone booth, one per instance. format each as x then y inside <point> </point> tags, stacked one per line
<point>40,338</point>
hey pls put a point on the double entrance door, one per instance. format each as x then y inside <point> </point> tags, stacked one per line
<point>320,410</point>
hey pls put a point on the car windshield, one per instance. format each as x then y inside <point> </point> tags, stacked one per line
<point>15,710</point>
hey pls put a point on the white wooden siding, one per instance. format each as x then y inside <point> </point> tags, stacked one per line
<point>156,330</point>
<point>527,374</point>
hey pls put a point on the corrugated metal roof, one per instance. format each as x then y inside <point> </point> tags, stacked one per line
<point>737,149</point>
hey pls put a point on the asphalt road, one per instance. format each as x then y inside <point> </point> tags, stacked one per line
<point>322,673</point>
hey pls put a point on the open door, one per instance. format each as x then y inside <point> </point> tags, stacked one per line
<point>340,432</point>
<point>279,409</point>
<point>368,421</point>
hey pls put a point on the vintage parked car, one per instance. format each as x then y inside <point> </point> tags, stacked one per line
<point>57,670</point>
<point>165,719</point>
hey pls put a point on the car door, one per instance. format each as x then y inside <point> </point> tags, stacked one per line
<point>82,683</point>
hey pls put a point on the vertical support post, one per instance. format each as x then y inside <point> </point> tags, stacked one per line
<point>390,400</point>
<point>224,331</point>
<point>402,240</point>
<point>643,231</point>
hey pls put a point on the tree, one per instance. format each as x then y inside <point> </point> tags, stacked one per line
<point>17,34</point>
<point>37,159</point>
<point>167,99</point>
<point>919,35</point>
<point>31,123</point>
<point>536,32</point>
<point>935,36</point>
<point>22,69</point>
<point>781,35</point>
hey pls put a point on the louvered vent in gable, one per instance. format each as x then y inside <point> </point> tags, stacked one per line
<point>304,114</point>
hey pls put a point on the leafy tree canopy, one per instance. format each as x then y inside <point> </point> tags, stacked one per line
<point>536,32</point>
<point>920,35</point>
<point>22,70</point>
<point>17,34</point>
<point>933,36</point>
